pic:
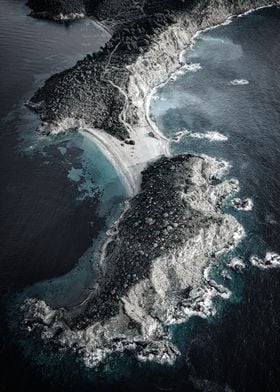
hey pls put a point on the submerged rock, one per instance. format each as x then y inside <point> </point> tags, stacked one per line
<point>236,264</point>
<point>271,260</point>
<point>243,204</point>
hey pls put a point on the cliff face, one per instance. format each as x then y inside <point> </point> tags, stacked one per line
<point>107,90</point>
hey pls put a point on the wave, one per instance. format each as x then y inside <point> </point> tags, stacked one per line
<point>236,263</point>
<point>212,136</point>
<point>189,67</point>
<point>239,82</point>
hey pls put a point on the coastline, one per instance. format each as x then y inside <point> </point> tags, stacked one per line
<point>129,160</point>
<point>131,165</point>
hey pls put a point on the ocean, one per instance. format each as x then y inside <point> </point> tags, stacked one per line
<point>58,193</point>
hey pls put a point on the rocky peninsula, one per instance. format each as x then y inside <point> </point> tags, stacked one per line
<point>153,268</point>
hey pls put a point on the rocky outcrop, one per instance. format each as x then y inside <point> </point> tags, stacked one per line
<point>153,271</point>
<point>57,9</point>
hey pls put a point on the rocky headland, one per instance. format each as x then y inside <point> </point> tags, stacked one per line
<point>154,267</point>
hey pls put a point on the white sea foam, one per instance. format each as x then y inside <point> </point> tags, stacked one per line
<point>212,136</point>
<point>271,260</point>
<point>236,264</point>
<point>225,275</point>
<point>253,10</point>
<point>219,168</point>
<point>190,67</point>
<point>243,204</point>
<point>227,22</point>
<point>239,82</point>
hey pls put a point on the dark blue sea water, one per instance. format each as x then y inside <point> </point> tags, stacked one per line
<point>58,193</point>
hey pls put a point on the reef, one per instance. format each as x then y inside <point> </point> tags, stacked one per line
<point>271,260</point>
<point>242,204</point>
<point>153,268</point>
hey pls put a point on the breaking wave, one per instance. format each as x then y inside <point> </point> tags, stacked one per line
<point>239,82</point>
<point>212,136</point>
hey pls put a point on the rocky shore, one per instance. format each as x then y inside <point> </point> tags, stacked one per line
<point>153,269</point>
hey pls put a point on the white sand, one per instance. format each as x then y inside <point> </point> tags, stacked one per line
<point>128,160</point>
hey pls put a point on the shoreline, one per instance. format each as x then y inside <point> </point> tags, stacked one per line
<point>129,160</point>
<point>183,63</point>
